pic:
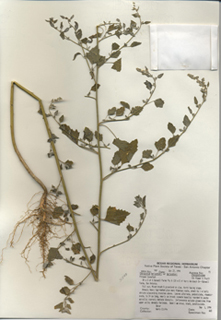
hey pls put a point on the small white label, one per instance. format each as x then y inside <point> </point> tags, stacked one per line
<point>181,290</point>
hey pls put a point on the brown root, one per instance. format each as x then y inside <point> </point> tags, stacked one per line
<point>44,226</point>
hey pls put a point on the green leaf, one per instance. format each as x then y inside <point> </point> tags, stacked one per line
<point>126,150</point>
<point>94,57</point>
<point>76,248</point>
<point>133,24</point>
<point>69,280</point>
<point>94,210</point>
<point>172,141</point>
<point>50,154</point>
<point>159,103</point>
<point>118,33</point>
<point>120,111</point>
<point>147,154</point>
<point>116,216</point>
<point>68,164</point>
<point>95,87</point>
<point>112,27</point>
<point>130,228</point>
<point>53,138</point>
<point>78,34</point>
<point>136,15</point>
<point>186,121</point>
<point>171,128</point>
<point>190,111</point>
<point>54,254</point>
<point>121,144</point>
<point>135,43</point>
<point>95,36</point>
<point>115,46</point>
<point>59,99</point>
<point>71,134</point>
<point>88,134</point>
<point>144,202</point>
<point>61,119</point>
<point>112,111</point>
<point>195,100</point>
<point>148,85</point>
<point>85,40</point>
<point>147,166</point>
<point>62,35</point>
<point>74,207</point>
<point>98,137</point>
<point>117,65</point>
<point>160,75</point>
<point>115,54</point>
<point>76,54</point>
<point>125,104</point>
<point>116,158</point>
<point>70,300</point>
<point>92,258</point>
<point>76,25</point>
<point>191,76</point>
<point>65,290</point>
<point>101,61</point>
<point>160,144</point>
<point>138,202</point>
<point>136,110</point>
<point>58,211</point>
<point>66,310</point>
<point>59,306</point>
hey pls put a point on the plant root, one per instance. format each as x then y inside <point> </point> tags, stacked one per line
<point>45,226</point>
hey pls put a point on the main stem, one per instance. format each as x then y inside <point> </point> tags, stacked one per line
<point>15,145</point>
<point>100,170</point>
<point>58,167</point>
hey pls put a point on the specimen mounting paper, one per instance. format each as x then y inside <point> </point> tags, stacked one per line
<point>181,190</point>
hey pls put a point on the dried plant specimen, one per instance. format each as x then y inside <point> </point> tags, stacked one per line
<point>48,214</point>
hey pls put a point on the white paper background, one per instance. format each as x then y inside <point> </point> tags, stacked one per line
<point>182,190</point>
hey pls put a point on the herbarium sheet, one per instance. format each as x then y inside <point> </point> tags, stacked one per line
<point>109,159</point>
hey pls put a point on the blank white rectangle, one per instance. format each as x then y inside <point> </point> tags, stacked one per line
<point>190,47</point>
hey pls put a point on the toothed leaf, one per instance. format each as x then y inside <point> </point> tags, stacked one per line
<point>88,134</point>
<point>147,154</point>
<point>94,210</point>
<point>116,216</point>
<point>159,103</point>
<point>112,111</point>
